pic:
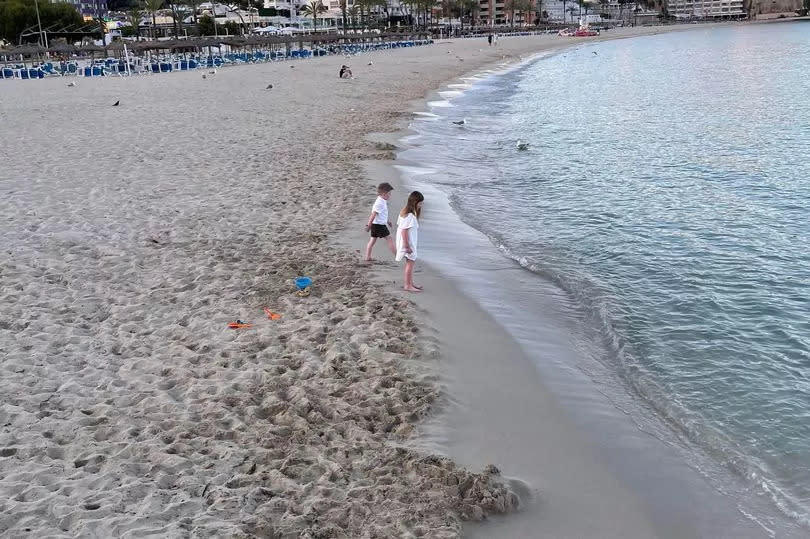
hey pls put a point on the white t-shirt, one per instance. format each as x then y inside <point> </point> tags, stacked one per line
<point>381,207</point>
<point>407,225</point>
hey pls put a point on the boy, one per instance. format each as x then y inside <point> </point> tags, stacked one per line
<point>378,222</point>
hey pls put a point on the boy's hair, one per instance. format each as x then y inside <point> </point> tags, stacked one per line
<point>385,187</point>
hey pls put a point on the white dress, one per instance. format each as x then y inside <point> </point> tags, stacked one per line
<point>407,225</point>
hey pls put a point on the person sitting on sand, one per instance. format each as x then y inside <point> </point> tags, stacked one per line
<point>345,72</point>
<point>378,222</point>
<point>407,235</point>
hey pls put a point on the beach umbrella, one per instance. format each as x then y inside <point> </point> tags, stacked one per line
<point>183,44</point>
<point>91,47</point>
<point>28,49</point>
<point>207,42</point>
<point>144,45</point>
<point>119,45</point>
<point>233,42</point>
<point>62,48</point>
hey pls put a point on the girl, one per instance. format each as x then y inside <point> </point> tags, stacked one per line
<point>407,235</point>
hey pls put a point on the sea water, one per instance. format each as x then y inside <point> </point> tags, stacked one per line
<point>665,193</point>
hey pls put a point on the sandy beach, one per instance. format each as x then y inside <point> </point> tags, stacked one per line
<point>135,234</point>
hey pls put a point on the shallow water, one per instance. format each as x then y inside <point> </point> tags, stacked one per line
<point>664,192</point>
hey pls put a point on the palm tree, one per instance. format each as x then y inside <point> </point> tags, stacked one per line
<point>622,3</point>
<point>583,4</point>
<point>474,7</point>
<point>313,9</point>
<point>538,8</point>
<point>153,6</point>
<point>174,6</point>
<point>193,5</point>
<point>526,7</point>
<point>587,6</point>
<point>604,5</point>
<point>519,6</point>
<point>134,19</point>
<point>344,13</point>
<point>368,6</point>
<point>470,6</point>
<point>510,8</point>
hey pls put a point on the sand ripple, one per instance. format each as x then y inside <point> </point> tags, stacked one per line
<point>128,406</point>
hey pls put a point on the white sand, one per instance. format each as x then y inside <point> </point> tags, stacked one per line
<point>133,235</point>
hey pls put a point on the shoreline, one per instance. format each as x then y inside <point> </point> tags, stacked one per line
<point>671,513</point>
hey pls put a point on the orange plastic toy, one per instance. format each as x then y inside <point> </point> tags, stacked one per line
<point>239,325</point>
<point>271,315</point>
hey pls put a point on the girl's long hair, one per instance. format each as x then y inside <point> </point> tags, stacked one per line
<point>412,206</point>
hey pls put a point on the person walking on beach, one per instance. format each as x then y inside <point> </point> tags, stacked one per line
<point>378,222</point>
<point>489,39</point>
<point>407,236</point>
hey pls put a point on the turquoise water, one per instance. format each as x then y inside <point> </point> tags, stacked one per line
<point>666,190</point>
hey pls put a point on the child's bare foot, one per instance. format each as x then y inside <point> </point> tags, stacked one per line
<point>418,287</point>
<point>412,288</point>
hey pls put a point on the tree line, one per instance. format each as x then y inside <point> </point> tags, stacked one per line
<point>16,16</point>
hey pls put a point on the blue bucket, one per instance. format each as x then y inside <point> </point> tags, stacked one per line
<point>302,282</point>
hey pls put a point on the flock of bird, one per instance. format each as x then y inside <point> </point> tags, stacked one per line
<point>520,145</point>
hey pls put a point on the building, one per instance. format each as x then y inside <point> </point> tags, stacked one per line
<point>88,8</point>
<point>773,9</point>
<point>626,13</point>
<point>569,11</point>
<point>498,12</point>
<point>706,9</point>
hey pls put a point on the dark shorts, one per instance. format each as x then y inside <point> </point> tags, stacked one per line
<point>379,231</point>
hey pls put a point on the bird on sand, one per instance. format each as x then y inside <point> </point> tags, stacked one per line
<point>594,52</point>
<point>371,63</point>
<point>269,86</point>
<point>116,103</point>
<point>461,122</point>
<point>522,145</point>
<point>71,84</point>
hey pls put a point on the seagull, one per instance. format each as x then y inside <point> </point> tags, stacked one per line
<point>212,72</point>
<point>269,86</point>
<point>522,145</point>
<point>371,63</point>
<point>71,84</point>
<point>292,67</point>
<point>460,59</point>
<point>116,103</point>
<point>461,122</point>
<point>594,52</point>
